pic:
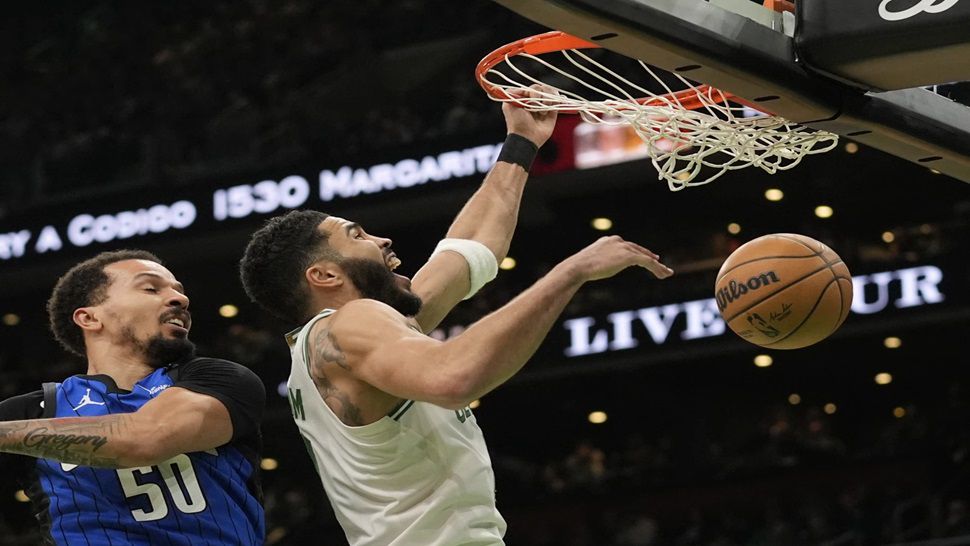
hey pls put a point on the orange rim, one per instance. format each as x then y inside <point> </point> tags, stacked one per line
<point>553,41</point>
<point>779,5</point>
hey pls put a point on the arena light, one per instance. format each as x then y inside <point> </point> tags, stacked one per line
<point>883,378</point>
<point>824,211</point>
<point>269,463</point>
<point>888,237</point>
<point>830,408</point>
<point>851,147</point>
<point>11,319</point>
<point>794,399</point>
<point>20,496</point>
<point>474,404</point>
<point>774,194</point>
<point>597,417</point>
<point>892,342</point>
<point>734,228</point>
<point>228,311</point>
<point>507,263</point>
<point>601,223</point>
<point>899,412</point>
<point>763,361</point>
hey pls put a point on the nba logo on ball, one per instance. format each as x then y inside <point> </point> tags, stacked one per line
<point>783,291</point>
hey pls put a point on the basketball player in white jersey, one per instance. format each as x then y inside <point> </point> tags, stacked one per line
<point>383,407</point>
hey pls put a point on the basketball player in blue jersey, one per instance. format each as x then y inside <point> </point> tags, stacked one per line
<point>152,445</point>
<point>383,407</point>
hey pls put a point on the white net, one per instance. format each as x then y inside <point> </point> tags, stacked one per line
<point>693,134</point>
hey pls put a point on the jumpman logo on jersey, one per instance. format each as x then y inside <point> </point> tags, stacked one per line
<point>86,401</point>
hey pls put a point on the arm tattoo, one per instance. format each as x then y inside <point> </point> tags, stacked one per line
<point>328,351</point>
<point>341,404</point>
<point>87,441</point>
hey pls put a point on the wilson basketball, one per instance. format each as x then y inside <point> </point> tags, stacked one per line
<point>783,291</point>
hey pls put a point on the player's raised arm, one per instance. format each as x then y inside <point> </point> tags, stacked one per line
<point>480,235</point>
<point>372,342</point>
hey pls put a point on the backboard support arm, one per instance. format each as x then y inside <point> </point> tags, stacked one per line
<point>706,43</point>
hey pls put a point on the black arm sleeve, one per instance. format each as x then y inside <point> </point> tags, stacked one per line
<point>237,387</point>
<point>25,406</point>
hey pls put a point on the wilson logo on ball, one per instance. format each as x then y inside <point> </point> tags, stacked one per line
<point>735,290</point>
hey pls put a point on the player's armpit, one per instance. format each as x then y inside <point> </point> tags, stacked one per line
<point>378,347</point>
<point>441,284</point>
<point>181,421</point>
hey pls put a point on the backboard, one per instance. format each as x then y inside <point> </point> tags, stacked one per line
<point>754,52</point>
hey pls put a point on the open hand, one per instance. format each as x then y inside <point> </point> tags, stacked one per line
<point>609,255</point>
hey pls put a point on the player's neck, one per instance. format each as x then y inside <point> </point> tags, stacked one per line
<point>125,368</point>
<point>335,299</point>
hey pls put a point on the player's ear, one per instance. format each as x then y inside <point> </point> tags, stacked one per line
<point>87,318</point>
<point>324,274</point>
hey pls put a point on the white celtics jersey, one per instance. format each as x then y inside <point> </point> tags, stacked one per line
<point>420,476</point>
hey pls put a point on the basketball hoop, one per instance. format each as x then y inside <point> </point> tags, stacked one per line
<point>688,128</point>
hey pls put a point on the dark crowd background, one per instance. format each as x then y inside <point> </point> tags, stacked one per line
<point>107,101</point>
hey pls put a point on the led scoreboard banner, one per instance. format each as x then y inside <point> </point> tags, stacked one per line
<point>36,234</point>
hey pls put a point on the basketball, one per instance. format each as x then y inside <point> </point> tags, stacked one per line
<point>783,291</point>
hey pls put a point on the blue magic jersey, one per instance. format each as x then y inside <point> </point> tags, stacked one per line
<point>201,498</point>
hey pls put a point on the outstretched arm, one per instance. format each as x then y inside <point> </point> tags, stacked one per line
<point>176,421</point>
<point>489,217</point>
<point>377,347</point>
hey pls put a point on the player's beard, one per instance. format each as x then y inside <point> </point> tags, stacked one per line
<point>160,351</point>
<point>375,281</point>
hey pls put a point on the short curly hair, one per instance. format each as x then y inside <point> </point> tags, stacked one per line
<point>83,285</point>
<point>276,258</point>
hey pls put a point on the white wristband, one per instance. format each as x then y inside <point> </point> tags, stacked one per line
<point>482,265</point>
